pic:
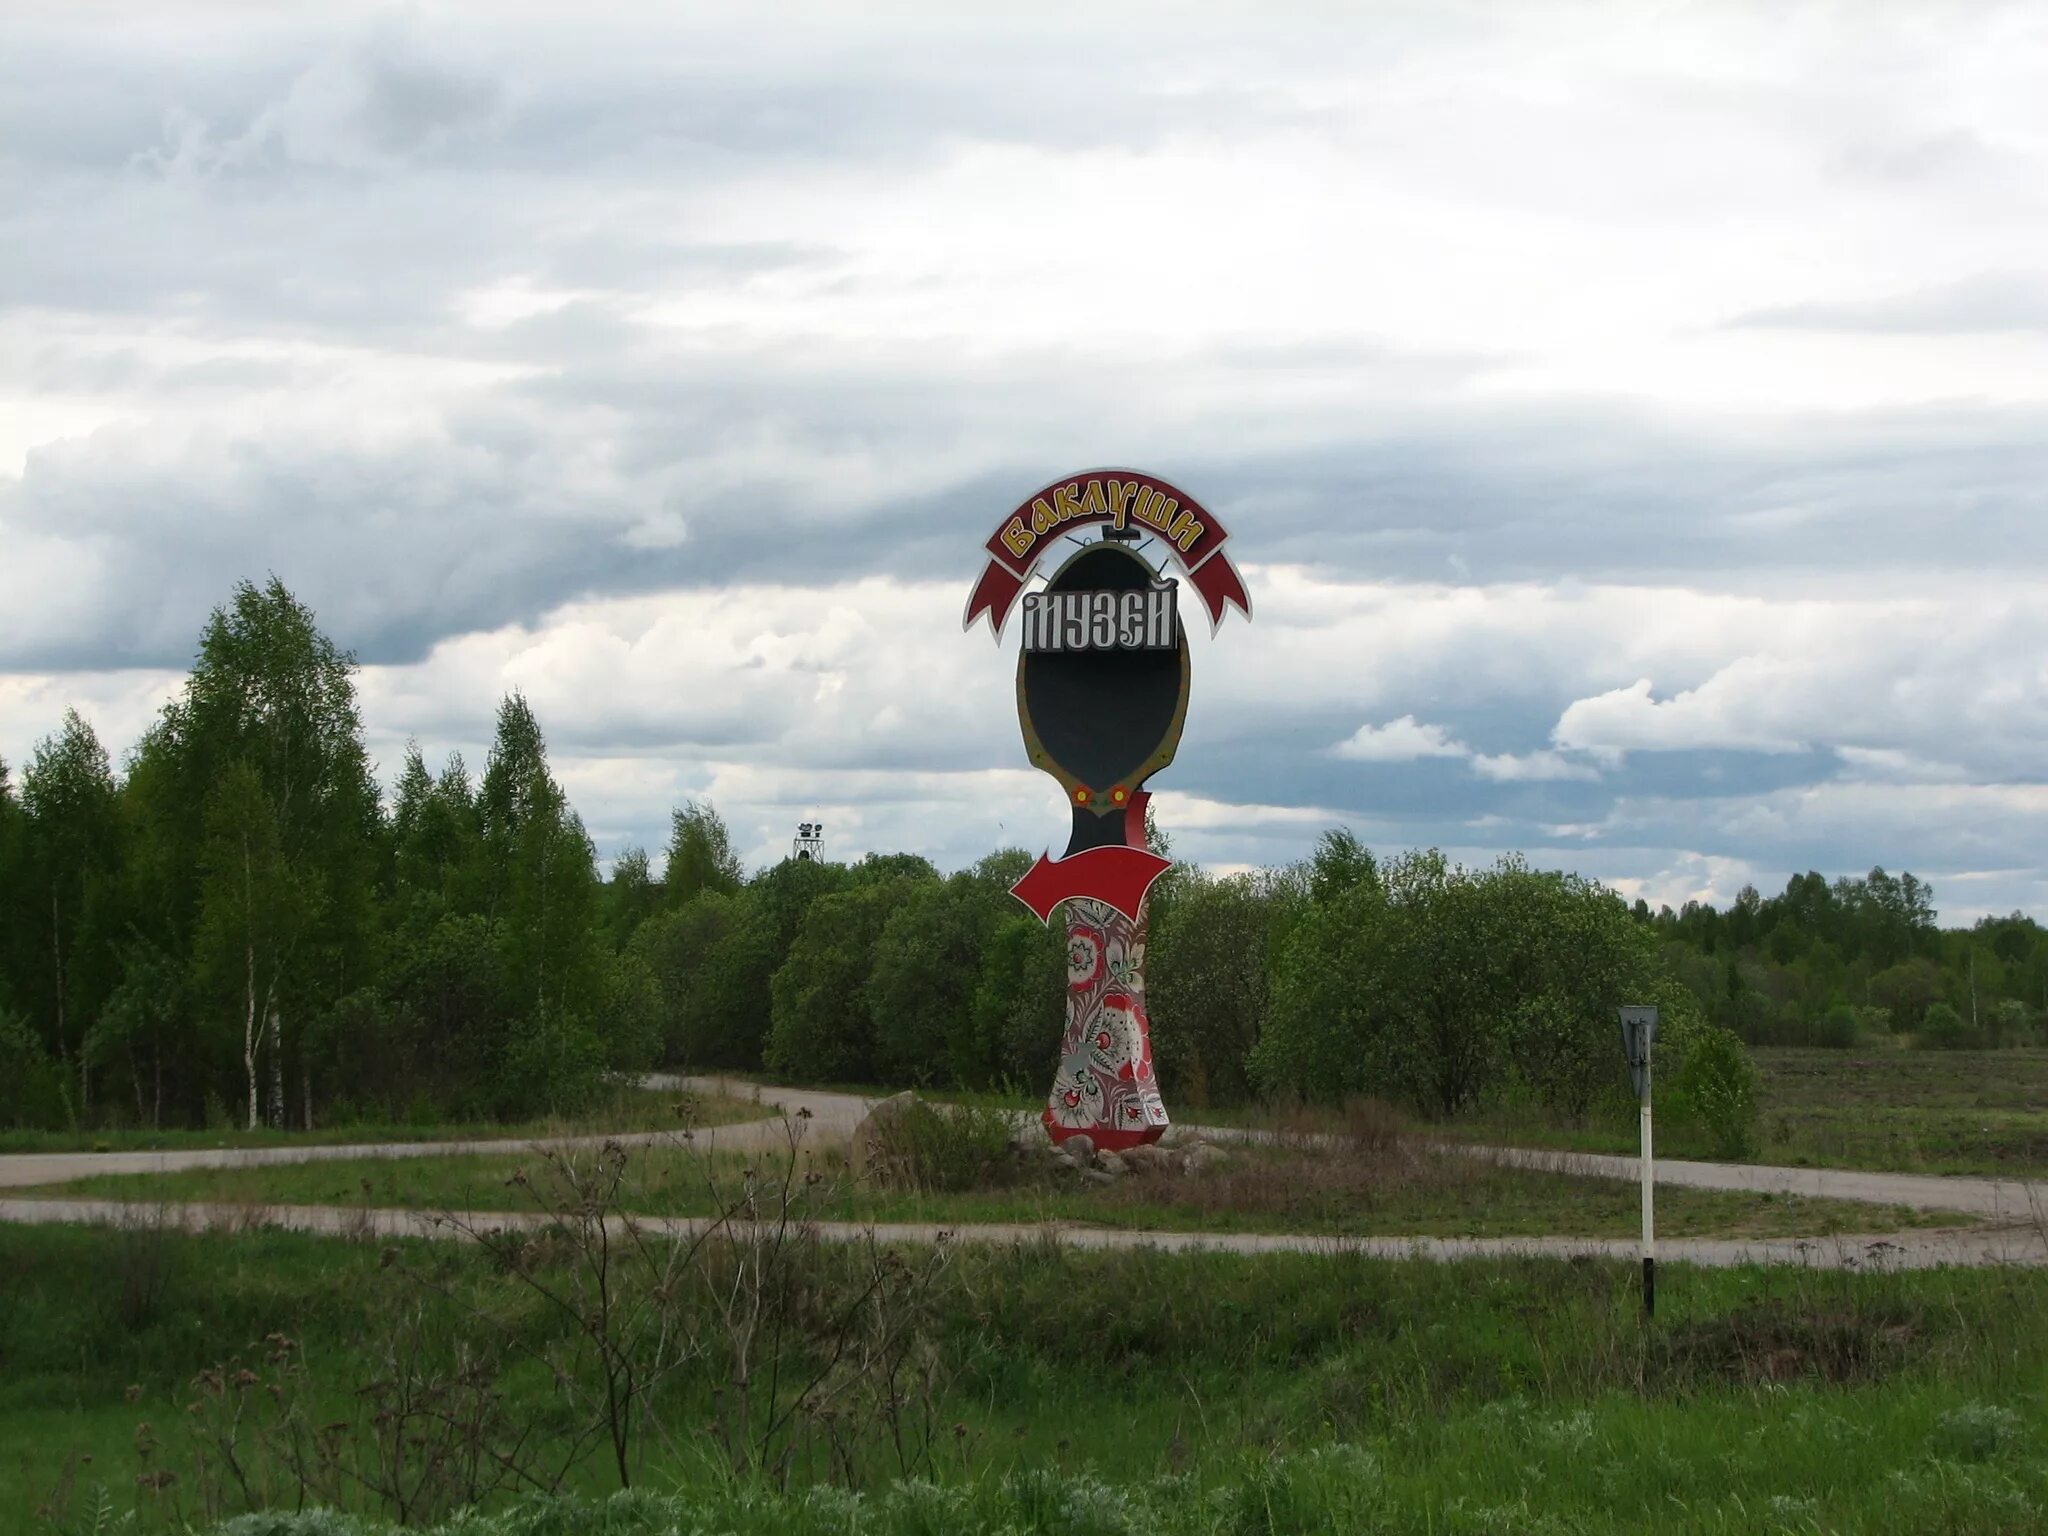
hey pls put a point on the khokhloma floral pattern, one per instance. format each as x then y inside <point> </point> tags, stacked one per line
<point>1105,1086</point>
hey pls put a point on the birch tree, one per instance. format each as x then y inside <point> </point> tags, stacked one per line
<point>252,916</point>
<point>265,745</point>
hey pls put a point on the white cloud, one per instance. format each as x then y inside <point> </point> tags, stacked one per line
<point>1711,716</point>
<point>119,705</point>
<point>1398,741</point>
<point>1530,767</point>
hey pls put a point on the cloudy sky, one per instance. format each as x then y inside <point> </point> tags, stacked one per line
<point>1632,421</point>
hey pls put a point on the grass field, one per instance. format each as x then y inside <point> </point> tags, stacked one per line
<point>1406,1190</point>
<point>1966,1112</point>
<point>1935,1111</point>
<point>1103,1394</point>
<point>626,1109</point>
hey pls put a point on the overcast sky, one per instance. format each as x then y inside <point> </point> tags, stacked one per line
<point>1632,421</point>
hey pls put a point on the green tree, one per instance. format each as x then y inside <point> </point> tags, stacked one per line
<point>726,1016</point>
<point>17,950</point>
<point>143,1021</point>
<point>739,969</point>
<point>542,885</point>
<point>821,1028</point>
<point>1712,1081</point>
<point>68,795</point>
<point>445,1021</point>
<point>1340,862</point>
<point>630,896</point>
<point>1569,953</point>
<point>700,856</point>
<point>1323,1038</point>
<point>1441,985</point>
<point>920,989</point>
<point>880,868</point>
<point>676,947</point>
<point>1908,989</point>
<point>255,908</point>
<point>1019,1005</point>
<point>270,694</point>
<point>1206,987</point>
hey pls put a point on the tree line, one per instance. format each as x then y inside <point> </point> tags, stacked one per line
<point>239,929</point>
<point>1857,961</point>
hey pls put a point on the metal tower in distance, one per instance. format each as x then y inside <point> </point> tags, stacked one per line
<point>809,842</point>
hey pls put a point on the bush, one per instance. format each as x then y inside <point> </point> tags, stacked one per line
<point>2010,1022</point>
<point>1943,1029</point>
<point>942,1148</point>
<point>1716,1085</point>
<point>1837,1028</point>
<point>31,1084</point>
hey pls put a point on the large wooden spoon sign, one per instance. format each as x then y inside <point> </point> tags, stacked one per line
<point>1102,696</point>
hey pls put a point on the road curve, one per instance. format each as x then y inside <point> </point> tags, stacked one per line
<point>2009,1200</point>
<point>22,1170</point>
<point>2021,1239</point>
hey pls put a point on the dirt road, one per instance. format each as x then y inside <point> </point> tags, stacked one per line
<point>2019,1234</point>
<point>1903,1250</point>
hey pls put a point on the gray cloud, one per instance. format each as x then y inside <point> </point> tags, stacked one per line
<point>451,325</point>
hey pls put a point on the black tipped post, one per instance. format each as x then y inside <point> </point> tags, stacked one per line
<point>1649,1287</point>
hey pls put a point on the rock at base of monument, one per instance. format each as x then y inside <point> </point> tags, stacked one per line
<point>1102,1138</point>
<point>1150,1159</point>
<point>864,1149</point>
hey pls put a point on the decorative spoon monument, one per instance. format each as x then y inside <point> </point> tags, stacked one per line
<point>1102,695</point>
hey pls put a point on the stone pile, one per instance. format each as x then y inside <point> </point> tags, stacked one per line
<point>1079,1157</point>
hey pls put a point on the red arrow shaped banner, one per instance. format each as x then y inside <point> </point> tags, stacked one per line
<point>1117,875</point>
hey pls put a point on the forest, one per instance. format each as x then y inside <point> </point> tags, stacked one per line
<point>239,927</point>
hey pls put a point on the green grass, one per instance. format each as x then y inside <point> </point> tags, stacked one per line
<point>628,1109</point>
<point>1112,1393</point>
<point>1410,1193</point>
<point>1937,1112</point>
<point>1930,1111</point>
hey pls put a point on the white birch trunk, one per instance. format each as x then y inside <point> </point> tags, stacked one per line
<point>276,1070</point>
<point>249,1032</point>
<point>249,979</point>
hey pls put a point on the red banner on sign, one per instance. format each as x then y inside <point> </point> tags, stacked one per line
<point>1117,876</point>
<point>1125,499</point>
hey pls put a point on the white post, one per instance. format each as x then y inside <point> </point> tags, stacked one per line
<point>1649,1204</point>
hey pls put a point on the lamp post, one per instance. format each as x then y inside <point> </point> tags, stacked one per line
<point>1638,1035</point>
